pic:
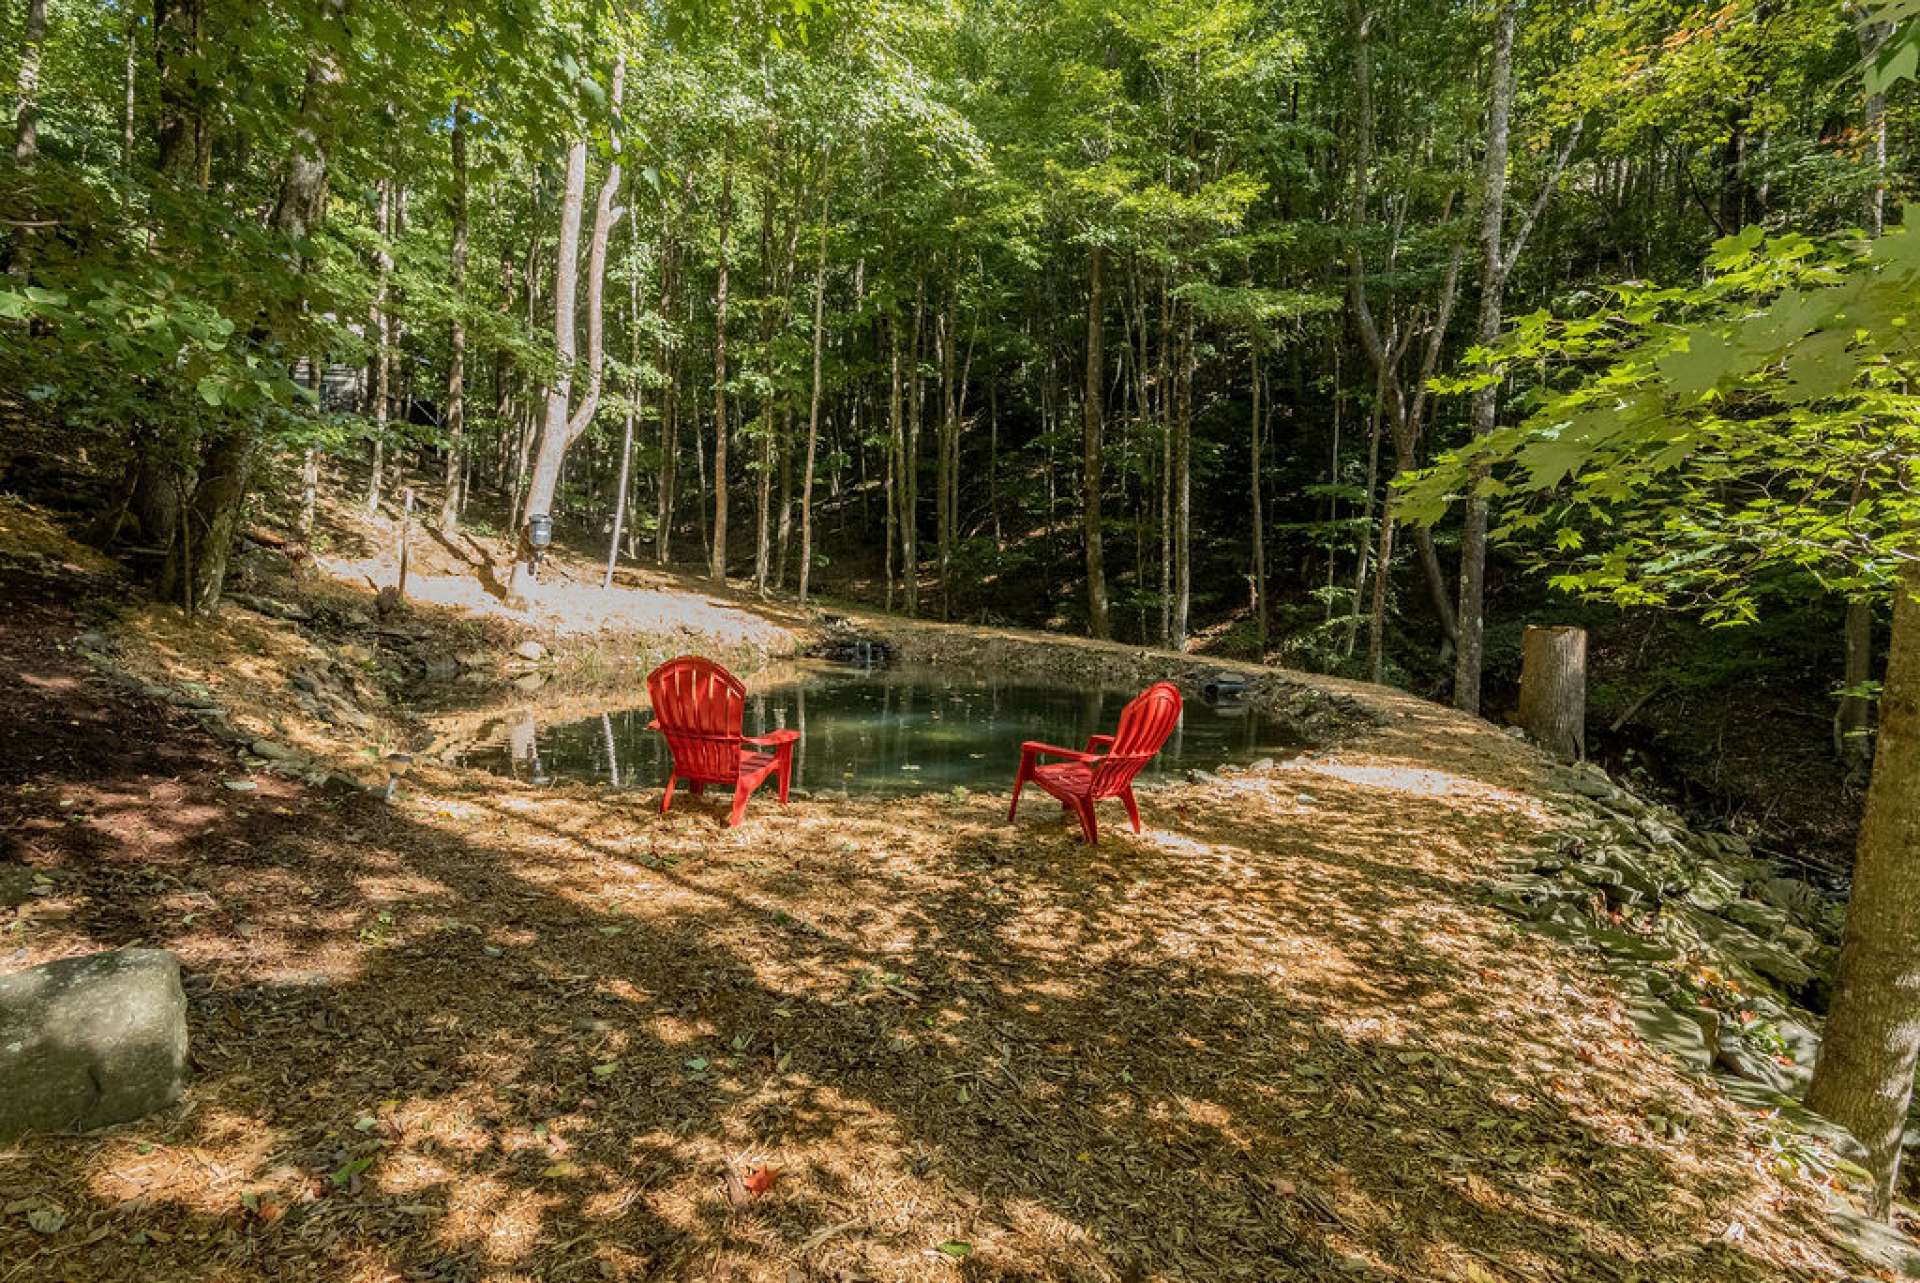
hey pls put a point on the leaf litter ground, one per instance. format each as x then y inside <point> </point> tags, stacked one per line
<point>488,1031</point>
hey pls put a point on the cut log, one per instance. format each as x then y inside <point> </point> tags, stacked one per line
<point>1553,690</point>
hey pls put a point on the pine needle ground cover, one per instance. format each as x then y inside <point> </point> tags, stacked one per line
<point>489,1031</point>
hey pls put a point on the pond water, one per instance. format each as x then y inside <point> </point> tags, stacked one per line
<point>891,731</point>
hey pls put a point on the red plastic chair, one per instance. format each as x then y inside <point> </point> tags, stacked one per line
<point>1090,776</point>
<point>699,707</point>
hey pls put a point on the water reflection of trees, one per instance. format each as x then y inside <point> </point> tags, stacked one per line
<point>880,733</point>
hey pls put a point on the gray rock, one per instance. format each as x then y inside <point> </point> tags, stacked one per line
<point>1762,919</point>
<point>1874,1241</point>
<point>1656,832</point>
<point>1763,958</point>
<point>1712,889</point>
<point>1742,1061</point>
<point>193,695</point>
<point>89,1041</point>
<point>531,651</point>
<point>1673,1031</point>
<point>1589,780</point>
<point>274,752</point>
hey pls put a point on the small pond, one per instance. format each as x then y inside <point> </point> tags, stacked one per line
<point>889,731</point>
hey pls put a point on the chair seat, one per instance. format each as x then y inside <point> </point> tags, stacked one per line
<point>752,763</point>
<point>1070,777</point>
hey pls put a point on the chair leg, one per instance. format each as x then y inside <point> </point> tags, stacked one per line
<point>741,792</point>
<point>1088,825</point>
<point>786,771</point>
<point>1133,808</point>
<point>666,799</point>
<point>1019,782</point>
<point>697,787</point>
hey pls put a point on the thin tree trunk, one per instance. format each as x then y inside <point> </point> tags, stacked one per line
<point>669,408</point>
<point>894,450</point>
<point>1499,251</point>
<point>1097,623</point>
<point>1183,492</point>
<point>910,469</point>
<point>813,406</point>
<point>1864,1078</point>
<point>451,498</point>
<point>717,565</point>
<point>1259,536</point>
<point>378,377</point>
<point>633,399</point>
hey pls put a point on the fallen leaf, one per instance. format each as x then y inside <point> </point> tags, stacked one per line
<point>47,1220</point>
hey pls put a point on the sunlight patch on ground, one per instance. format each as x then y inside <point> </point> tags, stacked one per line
<point>1413,781</point>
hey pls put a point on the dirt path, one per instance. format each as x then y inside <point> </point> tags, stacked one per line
<point>491,1032</point>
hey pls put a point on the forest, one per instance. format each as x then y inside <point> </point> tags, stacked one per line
<point>1344,338</point>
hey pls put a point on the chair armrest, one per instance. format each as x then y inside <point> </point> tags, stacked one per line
<point>1099,741</point>
<point>774,739</point>
<point>1038,748</point>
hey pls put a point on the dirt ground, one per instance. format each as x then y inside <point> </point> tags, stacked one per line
<point>488,1031</point>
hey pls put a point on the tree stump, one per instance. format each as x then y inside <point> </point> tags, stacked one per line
<point>1553,690</point>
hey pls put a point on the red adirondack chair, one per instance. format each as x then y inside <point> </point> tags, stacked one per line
<point>699,706</point>
<point>1088,776</point>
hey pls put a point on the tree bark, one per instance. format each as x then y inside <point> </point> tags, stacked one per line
<point>1183,492</point>
<point>195,569</point>
<point>378,373</point>
<point>1259,521</point>
<point>633,400</point>
<point>717,567</point>
<point>1553,690</point>
<point>813,405</point>
<point>910,459</point>
<point>561,428</point>
<point>26,111</point>
<point>1097,622</point>
<point>1864,1078</point>
<point>894,450</point>
<point>450,498</point>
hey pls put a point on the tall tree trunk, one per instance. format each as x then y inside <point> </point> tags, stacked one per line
<point>561,427</point>
<point>718,565</point>
<point>669,407</point>
<point>1469,656</point>
<point>910,461</point>
<point>26,109</point>
<point>195,569</point>
<point>1499,251</point>
<point>813,404</point>
<point>450,499</point>
<point>895,449</point>
<point>380,331</point>
<point>1864,1078</point>
<point>1097,623</point>
<point>633,400</point>
<point>1165,390</point>
<point>1259,521</point>
<point>179,30</point>
<point>128,82</point>
<point>1183,491</point>
<point>1855,714</point>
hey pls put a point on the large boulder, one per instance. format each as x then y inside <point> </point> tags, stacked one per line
<point>89,1041</point>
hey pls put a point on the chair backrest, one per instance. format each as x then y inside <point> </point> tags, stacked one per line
<point>1145,724</point>
<point>700,707</point>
